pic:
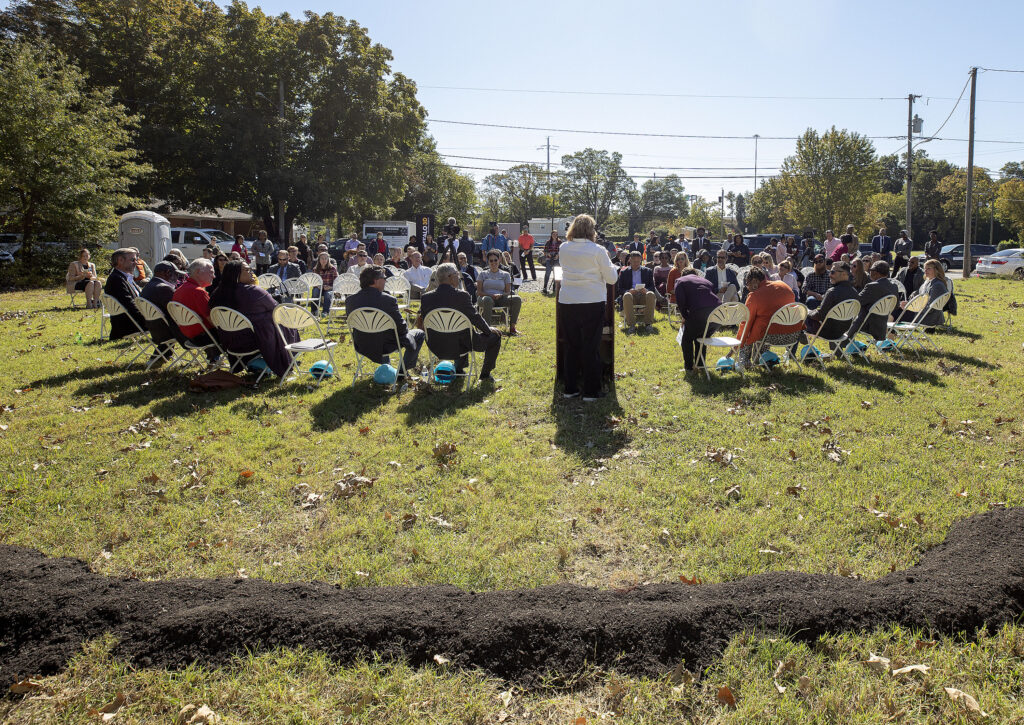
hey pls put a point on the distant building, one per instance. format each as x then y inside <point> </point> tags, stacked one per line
<point>230,221</point>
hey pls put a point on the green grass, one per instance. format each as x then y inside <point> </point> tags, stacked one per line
<point>539,491</point>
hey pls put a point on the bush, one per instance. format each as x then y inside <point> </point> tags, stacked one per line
<point>1008,244</point>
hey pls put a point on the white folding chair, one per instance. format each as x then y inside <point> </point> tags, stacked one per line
<point>793,313</point>
<point>914,332</point>
<point>295,317</point>
<point>501,312</point>
<point>228,320</point>
<point>806,271</point>
<point>298,291</point>
<point>268,281</point>
<point>183,317</point>
<point>900,289</point>
<point>883,308</point>
<point>401,289</point>
<point>138,340</point>
<point>152,313</point>
<point>370,320</point>
<point>344,285</point>
<point>727,314</point>
<point>447,320</point>
<point>846,311</point>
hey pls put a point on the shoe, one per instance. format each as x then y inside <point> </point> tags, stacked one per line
<point>648,328</point>
<point>595,396</point>
<point>570,396</point>
<point>513,332</point>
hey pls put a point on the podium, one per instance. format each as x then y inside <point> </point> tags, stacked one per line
<point>607,347</point>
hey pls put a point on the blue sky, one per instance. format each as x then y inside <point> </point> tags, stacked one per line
<point>805,52</point>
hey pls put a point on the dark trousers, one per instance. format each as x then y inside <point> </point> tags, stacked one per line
<point>411,344</point>
<point>581,327</point>
<point>489,345</point>
<point>549,264</point>
<point>692,331</point>
<point>261,269</point>
<point>900,262</point>
<point>204,339</point>
<point>526,256</point>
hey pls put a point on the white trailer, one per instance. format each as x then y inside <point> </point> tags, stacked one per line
<point>541,228</point>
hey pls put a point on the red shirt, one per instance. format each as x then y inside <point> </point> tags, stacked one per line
<point>197,299</point>
<point>525,242</point>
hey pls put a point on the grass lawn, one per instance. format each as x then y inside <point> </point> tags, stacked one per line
<point>130,472</point>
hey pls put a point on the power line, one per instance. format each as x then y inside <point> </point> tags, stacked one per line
<point>959,98</point>
<point>663,95</point>
<point>681,135</point>
<point>631,176</point>
<point>625,166</point>
<point>1000,70</point>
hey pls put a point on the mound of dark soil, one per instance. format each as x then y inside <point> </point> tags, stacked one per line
<point>49,607</point>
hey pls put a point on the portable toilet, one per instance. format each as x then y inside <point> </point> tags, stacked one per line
<point>148,232</point>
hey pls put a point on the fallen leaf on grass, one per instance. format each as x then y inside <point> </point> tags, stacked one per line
<point>441,660</point>
<point>925,643</point>
<point>408,521</point>
<point>866,404</point>
<point>365,430</point>
<point>108,711</point>
<point>505,697</point>
<point>247,473</point>
<point>25,686</point>
<point>693,582</point>
<point>804,684</point>
<point>726,697</point>
<point>734,493</point>
<point>876,663</point>
<point>681,676</point>
<point>910,669</point>
<point>795,490</point>
<point>962,698</point>
<point>580,721</point>
<point>793,456</point>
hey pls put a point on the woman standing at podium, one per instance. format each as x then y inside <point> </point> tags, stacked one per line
<point>586,273</point>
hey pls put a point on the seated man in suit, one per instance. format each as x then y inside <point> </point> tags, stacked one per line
<point>121,286</point>
<point>377,346</point>
<point>455,346</point>
<point>160,290</point>
<point>284,269</point>
<point>635,288</point>
<point>723,279</point>
<point>880,286</point>
<point>842,289</point>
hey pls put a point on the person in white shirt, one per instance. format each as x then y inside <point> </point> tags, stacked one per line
<point>830,243</point>
<point>586,273</point>
<point>781,251</point>
<point>352,243</point>
<point>787,275</point>
<point>417,274</point>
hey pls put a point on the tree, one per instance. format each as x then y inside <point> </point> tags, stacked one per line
<point>740,212</point>
<point>517,194</point>
<point>829,178</point>
<point>657,199</point>
<point>954,192</point>
<point>1010,205</point>
<point>592,182</point>
<point>893,172</point>
<point>766,208</point>
<point>434,186</point>
<point>928,200</point>
<point>886,209</point>
<point>705,213</point>
<point>1013,170</point>
<point>66,160</point>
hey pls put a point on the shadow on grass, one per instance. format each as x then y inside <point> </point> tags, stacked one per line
<point>587,429</point>
<point>788,380</point>
<point>957,358</point>
<point>430,402</point>
<point>89,373</point>
<point>957,332</point>
<point>894,368</point>
<point>348,404</point>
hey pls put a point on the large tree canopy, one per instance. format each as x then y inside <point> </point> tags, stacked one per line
<point>66,161</point>
<point>592,181</point>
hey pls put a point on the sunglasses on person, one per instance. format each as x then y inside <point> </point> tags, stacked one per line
<point>362,255</point>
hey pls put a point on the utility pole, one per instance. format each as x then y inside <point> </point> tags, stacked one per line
<point>756,137</point>
<point>551,199</point>
<point>970,180</point>
<point>910,161</point>
<point>722,199</point>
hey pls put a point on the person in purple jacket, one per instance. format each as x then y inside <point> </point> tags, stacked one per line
<point>696,298</point>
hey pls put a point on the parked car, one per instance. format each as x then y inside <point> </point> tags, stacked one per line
<point>1007,263</point>
<point>952,255</point>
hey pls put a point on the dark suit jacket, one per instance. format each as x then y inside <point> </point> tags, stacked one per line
<point>160,292</point>
<point>451,345</point>
<point>882,245</point>
<point>376,345</point>
<point>837,293</point>
<point>872,292</point>
<point>125,292</point>
<point>636,247</point>
<point>467,247</point>
<point>911,281</point>
<point>625,281</point>
<point>293,270</point>
<point>711,274</point>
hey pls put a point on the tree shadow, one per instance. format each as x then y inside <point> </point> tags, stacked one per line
<point>348,404</point>
<point>588,429</point>
<point>80,374</point>
<point>898,369</point>
<point>957,358</point>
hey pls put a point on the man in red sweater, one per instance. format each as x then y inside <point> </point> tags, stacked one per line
<point>192,293</point>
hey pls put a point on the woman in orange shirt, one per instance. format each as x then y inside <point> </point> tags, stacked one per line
<point>681,262</point>
<point>765,298</point>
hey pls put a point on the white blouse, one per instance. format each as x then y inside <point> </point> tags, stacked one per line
<point>586,272</point>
